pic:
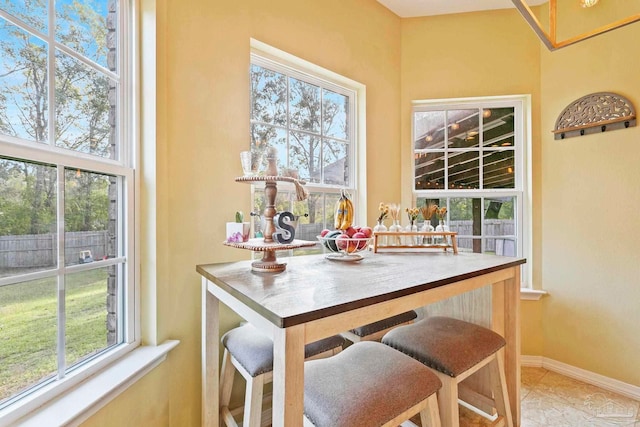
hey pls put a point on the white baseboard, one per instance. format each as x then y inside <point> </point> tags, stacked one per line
<point>583,375</point>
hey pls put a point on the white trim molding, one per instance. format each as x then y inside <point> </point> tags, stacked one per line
<point>78,404</point>
<point>583,375</point>
<point>527,294</point>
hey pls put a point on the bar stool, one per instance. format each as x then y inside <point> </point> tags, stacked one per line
<point>369,385</point>
<point>250,352</point>
<point>376,330</point>
<point>454,350</point>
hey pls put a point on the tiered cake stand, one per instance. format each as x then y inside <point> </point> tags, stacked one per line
<point>268,246</point>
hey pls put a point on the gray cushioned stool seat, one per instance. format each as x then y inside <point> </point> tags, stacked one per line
<point>254,350</point>
<point>389,322</point>
<point>365,385</point>
<point>447,345</point>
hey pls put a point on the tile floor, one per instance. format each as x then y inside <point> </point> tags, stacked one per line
<point>553,400</point>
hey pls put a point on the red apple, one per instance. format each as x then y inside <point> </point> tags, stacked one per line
<point>324,232</point>
<point>342,241</point>
<point>350,231</point>
<point>362,239</point>
<point>353,246</point>
<point>367,231</point>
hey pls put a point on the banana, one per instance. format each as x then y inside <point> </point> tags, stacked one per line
<point>339,214</point>
<point>346,207</point>
<point>348,215</point>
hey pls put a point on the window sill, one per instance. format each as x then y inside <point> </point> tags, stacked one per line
<point>84,400</point>
<point>527,294</point>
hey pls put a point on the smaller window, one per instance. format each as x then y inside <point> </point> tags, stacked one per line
<point>470,157</point>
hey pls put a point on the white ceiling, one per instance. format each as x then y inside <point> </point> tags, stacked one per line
<point>413,8</point>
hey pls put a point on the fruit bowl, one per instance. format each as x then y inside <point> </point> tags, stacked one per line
<point>341,247</point>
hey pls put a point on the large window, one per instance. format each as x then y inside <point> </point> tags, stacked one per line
<point>66,193</point>
<point>470,156</point>
<point>310,121</point>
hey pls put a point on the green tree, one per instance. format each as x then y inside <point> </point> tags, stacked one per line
<point>81,112</point>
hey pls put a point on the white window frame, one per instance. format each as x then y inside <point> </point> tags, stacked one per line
<point>290,65</point>
<point>124,167</point>
<point>522,163</point>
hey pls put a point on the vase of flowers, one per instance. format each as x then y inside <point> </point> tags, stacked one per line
<point>427,212</point>
<point>412,216</point>
<point>394,213</point>
<point>383,212</point>
<point>442,226</point>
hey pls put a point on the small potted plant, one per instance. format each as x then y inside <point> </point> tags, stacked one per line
<point>239,230</point>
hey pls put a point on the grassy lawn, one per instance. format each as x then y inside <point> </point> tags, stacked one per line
<point>28,327</point>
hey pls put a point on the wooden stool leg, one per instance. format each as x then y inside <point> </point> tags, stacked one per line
<point>226,379</point>
<point>430,416</point>
<point>227,374</point>
<point>253,402</point>
<point>499,387</point>
<point>448,400</point>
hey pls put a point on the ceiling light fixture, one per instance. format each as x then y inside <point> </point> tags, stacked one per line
<point>588,3</point>
<point>455,126</point>
<point>486,113</point>
<point>549,38</point>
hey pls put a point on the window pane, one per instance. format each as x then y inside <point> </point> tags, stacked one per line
<point>429,168</point>
<point>268,96</point>
<point>500,221</point>
<point>500,214</point>
<point>304,106</point>
<point>28,313</point>
<point>27,217</point>
<point>498,128</point>
<point>89,28</point>
<point>335,162</point>
<point>85,109</point>
<point>91,313</point>
<point>23,84</point>
<point>34,13</point>
<point>463,128</point>
<point>91,207</point>
<point>499,169</point>
<point>304,155</point>
<point>428,129</point>
<point>335,108</point>
<point>464,170</point>
<point>330,209</point>
<point>265,136</point>
<point>465,217</point>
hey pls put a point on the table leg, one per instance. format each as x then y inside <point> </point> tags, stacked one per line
<point>210,356</point>
<point>506,321</point>
<point>288,376</point>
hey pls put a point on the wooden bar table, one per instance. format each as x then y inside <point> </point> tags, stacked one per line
<point>316,297</point>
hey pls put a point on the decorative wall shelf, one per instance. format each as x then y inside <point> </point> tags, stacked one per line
<point>595,113</point>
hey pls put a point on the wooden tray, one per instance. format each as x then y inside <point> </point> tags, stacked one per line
<point>451,234</point>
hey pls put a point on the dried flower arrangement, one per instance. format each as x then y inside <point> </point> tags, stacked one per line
<point>442,212</point>
<point>384,211</point>
<point>412,214</point>
<point>394,211</point>
<point>427,211</point>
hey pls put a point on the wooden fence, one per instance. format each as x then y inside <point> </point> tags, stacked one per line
<point>40,250</point>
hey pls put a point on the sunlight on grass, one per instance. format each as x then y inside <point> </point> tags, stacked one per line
<point>28,327</point>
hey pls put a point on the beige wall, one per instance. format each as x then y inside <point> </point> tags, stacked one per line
<point>590,212</point>
<point>203,123</point>
<point>584,188</point>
